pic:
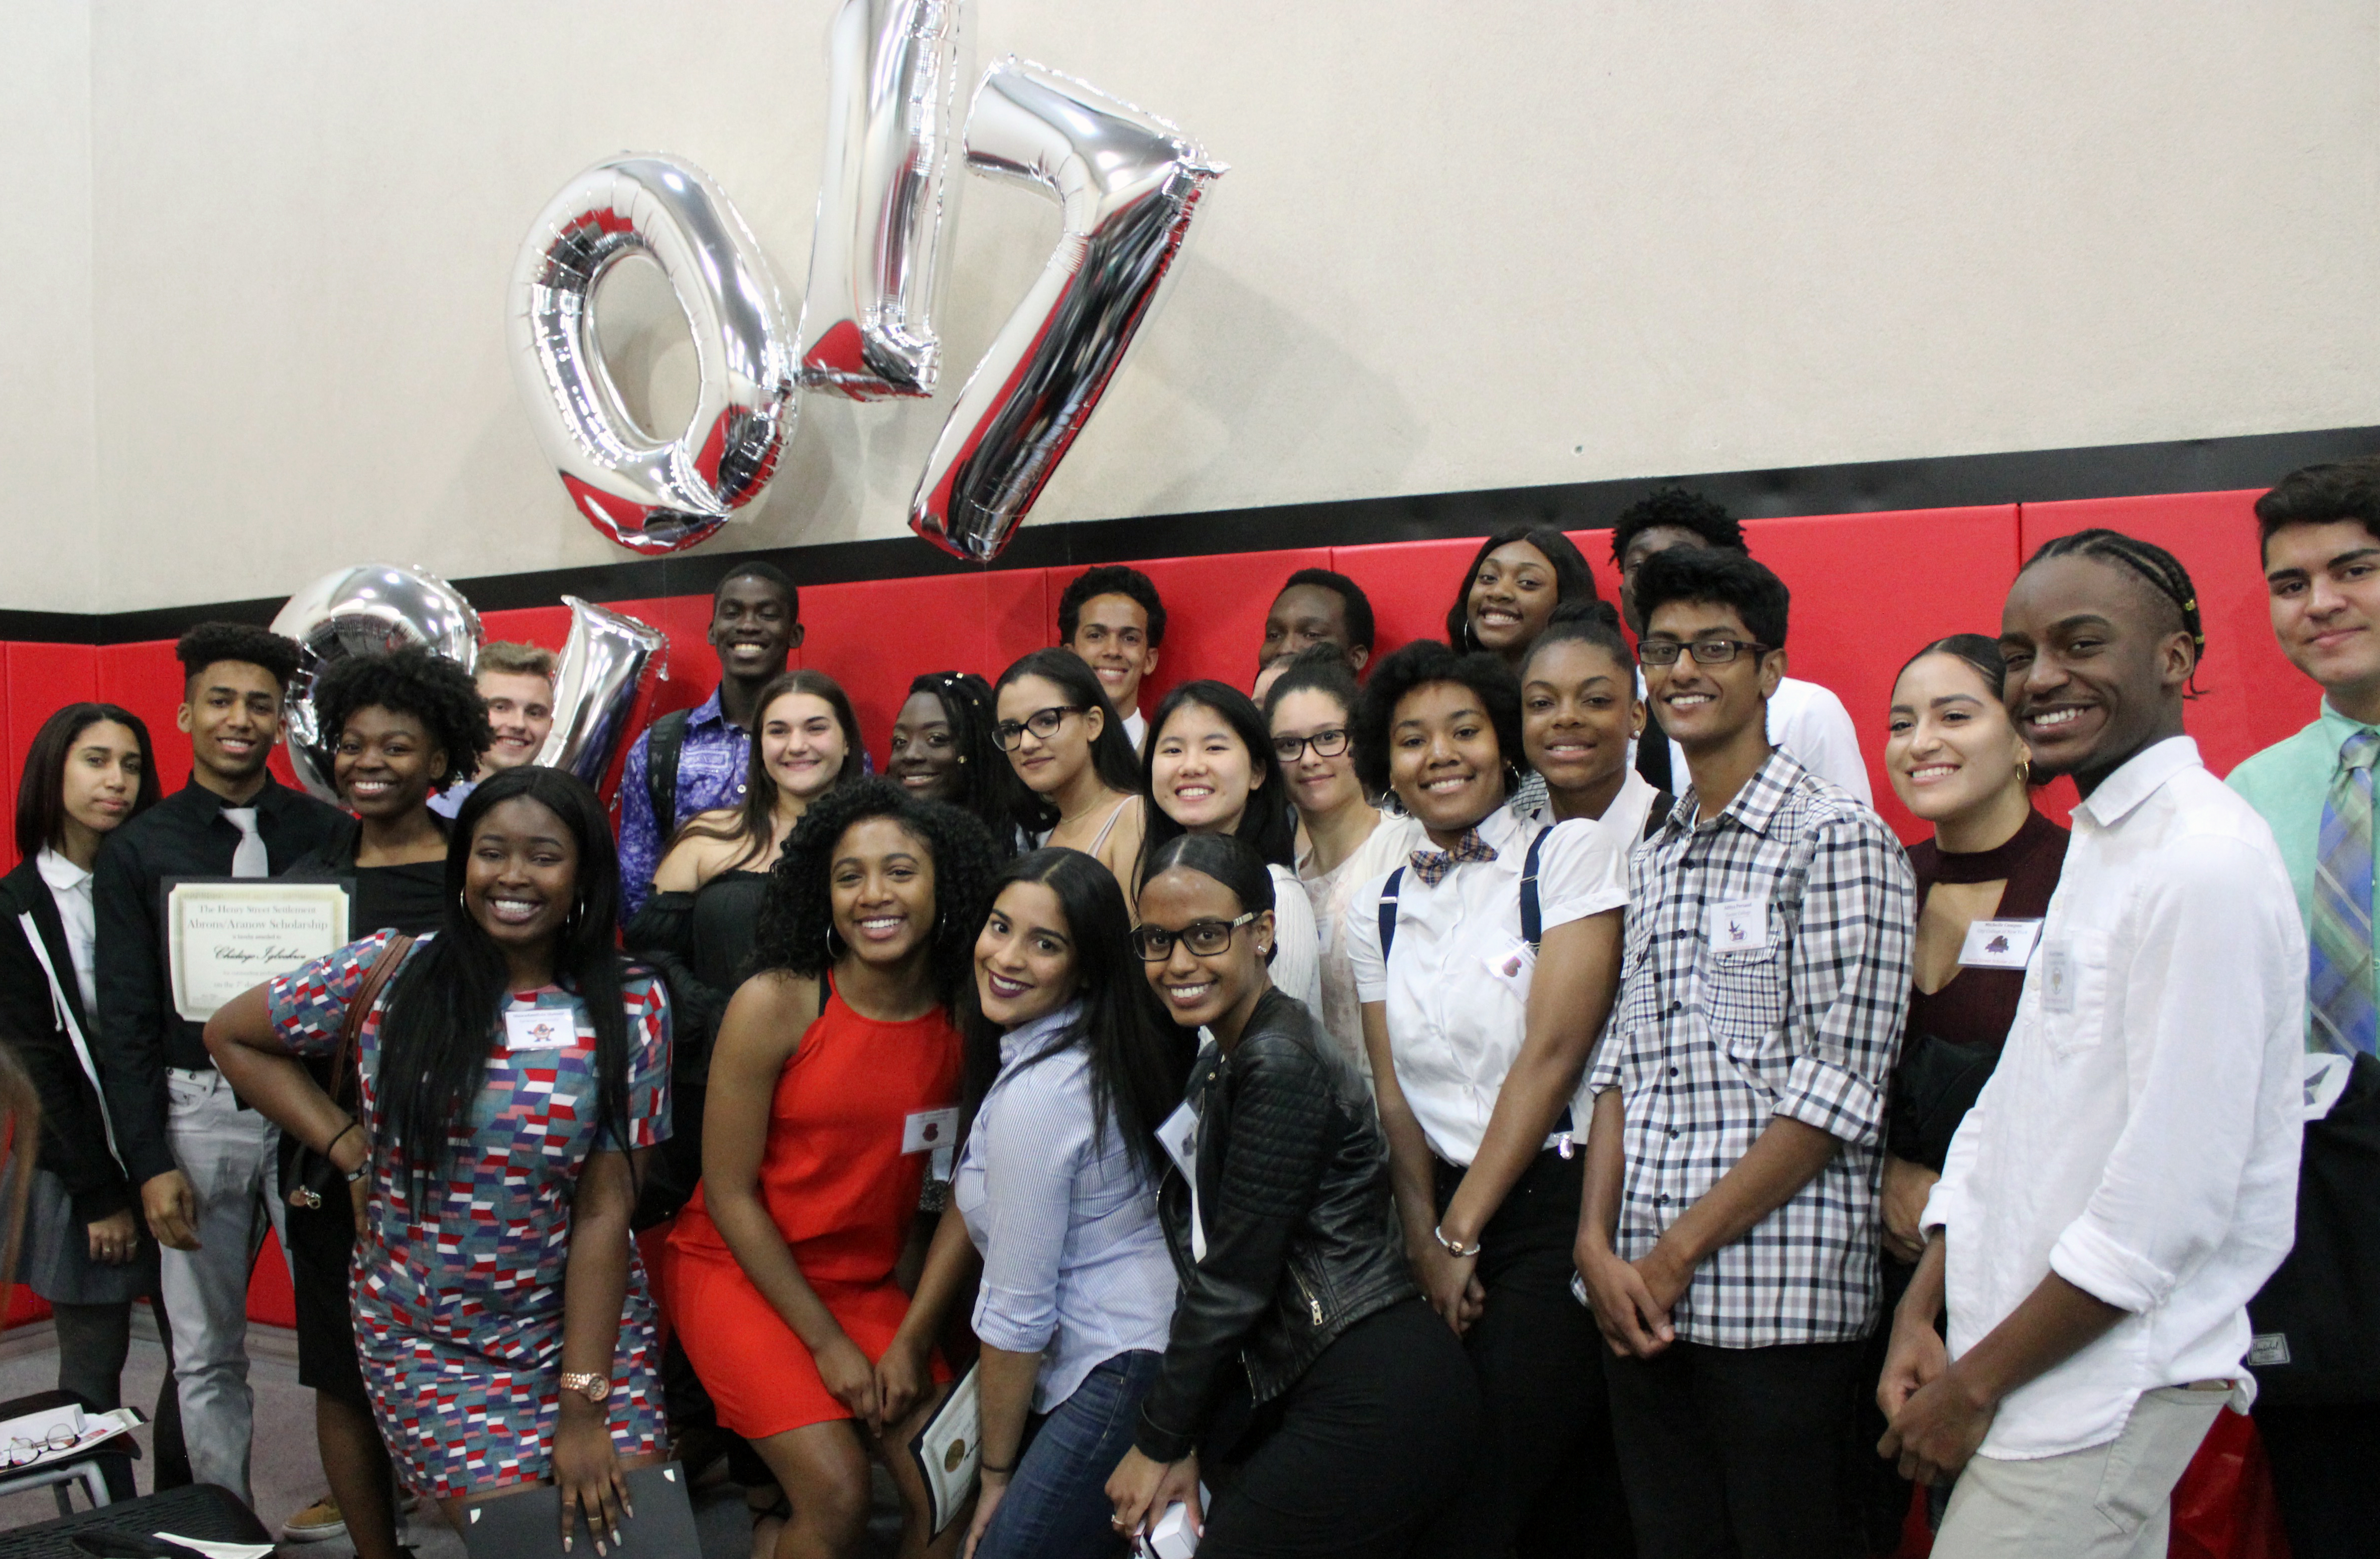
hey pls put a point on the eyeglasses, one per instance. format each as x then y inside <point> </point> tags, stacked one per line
<point>1042,722</point>
<point>23,1452</point>
<point>1325,744</point>
<point>1206,939</point>
<point>1706,652</point>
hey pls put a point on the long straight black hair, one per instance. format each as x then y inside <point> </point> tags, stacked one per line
<point>1268,823</point>
<point>1139,1057</point>
<point>41,795</point>
<point>443,1007</point>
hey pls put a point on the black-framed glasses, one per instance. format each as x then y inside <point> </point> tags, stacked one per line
<point>1706,652</point>
<point>1325,744</point>
<point>1206,939</point>
<point>1042,722</point>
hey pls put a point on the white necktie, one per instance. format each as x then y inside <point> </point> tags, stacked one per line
<point>250,859</point>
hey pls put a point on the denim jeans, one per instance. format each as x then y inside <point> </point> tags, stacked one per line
<point>1057,1507</point>
<point>229,1156</point>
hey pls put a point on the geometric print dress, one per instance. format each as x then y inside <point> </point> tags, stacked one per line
<point>458,1306</point>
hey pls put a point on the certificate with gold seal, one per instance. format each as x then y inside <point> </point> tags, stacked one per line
<point>224,935</point>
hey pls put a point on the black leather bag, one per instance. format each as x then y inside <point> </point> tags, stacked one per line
<point>2317,1321</point>
<point>312,1180</point>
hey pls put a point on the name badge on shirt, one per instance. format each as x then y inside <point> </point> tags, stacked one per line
<point>932,1131</point>
<point>1512,967</point>
<point>2058,976</point>
<point>1738,925</point>
<point>1180,1135</point>
<point>1999,945</point>
<point>539,1028</point>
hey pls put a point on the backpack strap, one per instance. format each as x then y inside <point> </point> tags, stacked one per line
<point>663,740</point>
<point>1389,892</point>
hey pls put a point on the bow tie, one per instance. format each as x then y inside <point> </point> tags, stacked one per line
<point>1431,866</point>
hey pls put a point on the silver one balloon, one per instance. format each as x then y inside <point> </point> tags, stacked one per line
<point>647,494</point>
<point>603,663</point>
<point>367,610</point>
<point>1127,184</point>
<point>893,75</point>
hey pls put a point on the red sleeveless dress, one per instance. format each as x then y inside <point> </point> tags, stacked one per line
<point>842,1192</point>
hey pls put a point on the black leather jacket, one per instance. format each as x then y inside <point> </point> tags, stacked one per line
<point>1302,1233</point>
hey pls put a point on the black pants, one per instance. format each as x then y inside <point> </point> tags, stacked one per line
<point>93,1341</point>
<point>1735,1453</point>
<point>2326,1476</point>
<point>1548,1478</point>
<point>1360,1458</point>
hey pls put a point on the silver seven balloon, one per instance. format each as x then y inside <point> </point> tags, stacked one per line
<point>1127,184</point>
<point>603,663</point>
<point>892,77</point>
<point>366,609</point>
<point>655,496</point>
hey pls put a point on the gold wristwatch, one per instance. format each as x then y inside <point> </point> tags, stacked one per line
<point>591,1386</point>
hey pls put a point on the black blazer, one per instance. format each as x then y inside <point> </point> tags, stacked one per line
<point>73,1128</point>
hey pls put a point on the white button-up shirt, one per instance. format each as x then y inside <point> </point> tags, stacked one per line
<point>2140,1135</point>
<point>1455,1023</point>
<point>70,890</point>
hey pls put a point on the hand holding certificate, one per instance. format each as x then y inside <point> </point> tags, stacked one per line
<point>224,935</point>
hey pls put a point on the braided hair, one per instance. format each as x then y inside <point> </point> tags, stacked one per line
<point>2147,561</point>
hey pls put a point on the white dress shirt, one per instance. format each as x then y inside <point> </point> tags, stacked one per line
<point>1808,721</point>
<point>70,890</point>
<point>1136,730</point>
<point>1626,815</point>
<point>1297,945</point>
<point>2140,1135</point>
<point>1455,1022</point>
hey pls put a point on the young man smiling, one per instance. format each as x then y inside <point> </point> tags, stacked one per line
<point>515,682</point>
<point>1318,606</point>
<point>2320,531</point>
<point>2128,1179</point>
<point>201,1158</point>
<point>696,760</point>
<point>1727,1234</point>
<point>1112,617</point>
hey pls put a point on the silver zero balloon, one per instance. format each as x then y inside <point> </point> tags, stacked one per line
<point>647,494</point>
<point>603,663</point>
<point>1127,184</point>
<point>893,76</point>
<point>369,609</point>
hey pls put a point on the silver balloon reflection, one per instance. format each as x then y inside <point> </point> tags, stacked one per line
<point>366,609</point>
<point>893,74</point>
<point>654,495</point>
<point>603,663</point>
<point>1127,184</point>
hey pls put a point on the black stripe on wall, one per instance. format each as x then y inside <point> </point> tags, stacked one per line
<point>1944,481</point>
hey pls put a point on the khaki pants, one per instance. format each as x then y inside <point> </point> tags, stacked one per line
<point>2105,1502</point>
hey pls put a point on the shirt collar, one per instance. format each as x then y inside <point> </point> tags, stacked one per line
<point>709,711</point>
<point>1033,1038</point>
<point>1756,805</point>
<point>2337,727</point>
<point>63,875</point>
<point>2137,778</point>
<point>268,801</point>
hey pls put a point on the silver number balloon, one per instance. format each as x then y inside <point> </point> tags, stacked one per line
<point>891,94</point>
<point>603,663</point>
<point>1127,184</point>
<point>654,495</point>
<point>367,610</point>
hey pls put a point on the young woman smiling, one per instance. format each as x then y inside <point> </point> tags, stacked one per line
<point>1515,580</point>
<point>1349,842</point>
<point>1070,1065</point>
<point>511,1071</point>
<point>1211,769</point>
<point>1343,1420</point>
<point>409,724</point>
<point>89,770</point>
<point>944,750</point>
<point>838,1073</point>
<point>1579,711</point>
<point>1070,752</point>
<point>1486,966</point>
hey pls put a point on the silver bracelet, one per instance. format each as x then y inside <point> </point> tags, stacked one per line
<point>1459,1252</point>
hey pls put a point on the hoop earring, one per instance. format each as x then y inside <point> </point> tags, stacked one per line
<point>831,956</point>
<point>2024,768</point>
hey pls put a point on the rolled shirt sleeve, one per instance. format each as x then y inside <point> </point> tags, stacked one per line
<point>1849,977</point>
<point>1028,1202</point>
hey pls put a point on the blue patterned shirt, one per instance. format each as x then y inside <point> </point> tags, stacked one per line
<point>712,772</point>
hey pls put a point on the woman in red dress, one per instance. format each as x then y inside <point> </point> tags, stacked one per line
<point>833,1088</point>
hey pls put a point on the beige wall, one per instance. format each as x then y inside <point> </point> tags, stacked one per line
<point>259,331</point>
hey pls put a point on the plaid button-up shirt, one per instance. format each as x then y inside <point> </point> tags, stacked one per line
<point>1767,974</point>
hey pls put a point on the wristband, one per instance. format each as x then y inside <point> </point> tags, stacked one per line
<point>1008,1471</point>
<point>1461,1252</point>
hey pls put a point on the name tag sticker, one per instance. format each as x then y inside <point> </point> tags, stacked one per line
<point>2056,977</point>
<point>1738,925</point>
<point>1180,1135</point>
<point>1512,967</point>
<point>539,1028</point>
<point>935,1132</point>
<point>1999,945</point>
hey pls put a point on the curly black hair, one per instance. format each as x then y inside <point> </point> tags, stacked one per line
<point>1676,508</point>
<point>205,644</point>
<point>798,911</point>
<point>415,681</point>
<point>1418,664</point>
